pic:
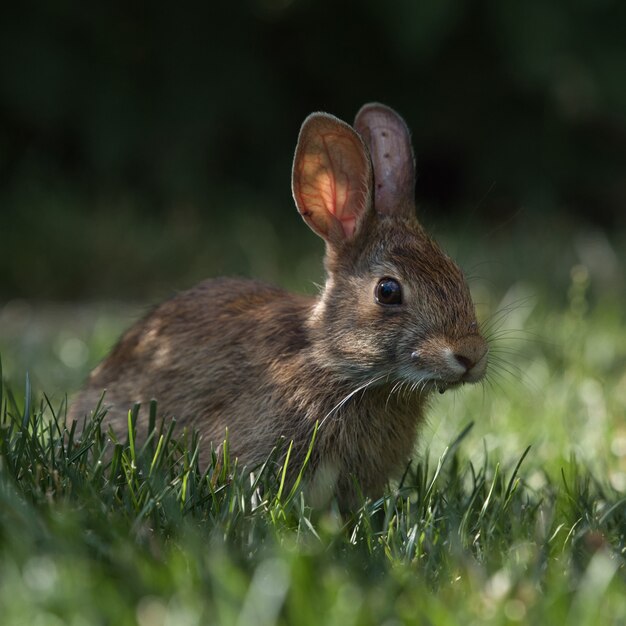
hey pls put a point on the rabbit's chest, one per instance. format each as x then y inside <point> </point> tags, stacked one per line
<point>375,439</point>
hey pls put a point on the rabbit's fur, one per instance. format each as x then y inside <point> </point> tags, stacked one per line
<point>263,363</point>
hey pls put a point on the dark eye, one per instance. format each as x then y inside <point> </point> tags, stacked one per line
<point>388,291</point>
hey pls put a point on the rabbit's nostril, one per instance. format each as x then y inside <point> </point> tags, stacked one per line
<point>465,361</point>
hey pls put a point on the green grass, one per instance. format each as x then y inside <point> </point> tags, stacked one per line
<point>96,531</point>
<point>518,519</point>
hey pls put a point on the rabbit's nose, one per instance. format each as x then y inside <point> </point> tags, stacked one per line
<point>471,354</point>
<point>465,361</point>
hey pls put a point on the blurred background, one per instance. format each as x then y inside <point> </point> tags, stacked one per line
<point>142,141</point>
<point>145,146</point>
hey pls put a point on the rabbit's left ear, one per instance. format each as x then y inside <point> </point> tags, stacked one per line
<point>331,178</point>
<point>386,135</point>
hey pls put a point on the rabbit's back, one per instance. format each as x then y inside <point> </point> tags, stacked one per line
<point>210,356</point>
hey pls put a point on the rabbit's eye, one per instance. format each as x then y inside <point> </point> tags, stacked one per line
<point>388,291</point>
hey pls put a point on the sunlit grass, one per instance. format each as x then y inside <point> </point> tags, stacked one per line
<point>138,532</point>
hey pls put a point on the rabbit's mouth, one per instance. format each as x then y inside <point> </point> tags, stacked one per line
<point>443,387</point>
<point>440,365</point>
<point>440,385</point>
<point>427,382</point>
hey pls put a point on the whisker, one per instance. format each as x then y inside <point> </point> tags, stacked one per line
<point>343,401</point>
<point>514,334</point>
<point>490,380</point>
<point>397,385</point>
<point>497,319</point>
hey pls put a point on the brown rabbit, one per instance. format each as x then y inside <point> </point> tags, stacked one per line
<point>393,322</point>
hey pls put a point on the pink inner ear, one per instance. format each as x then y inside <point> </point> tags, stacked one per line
<point>332,182</point>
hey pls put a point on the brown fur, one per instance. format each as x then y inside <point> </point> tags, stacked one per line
<point>263,363</point>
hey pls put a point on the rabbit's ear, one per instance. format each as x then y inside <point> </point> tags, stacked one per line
<point>387,137</point>
<point>332,177</point>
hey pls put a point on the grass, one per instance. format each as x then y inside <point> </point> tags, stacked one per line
<point>98,531</point>
<point>518,519</point>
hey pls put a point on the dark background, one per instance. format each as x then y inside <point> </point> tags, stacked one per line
<point>144,145</point>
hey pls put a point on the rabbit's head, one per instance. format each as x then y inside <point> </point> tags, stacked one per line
<point>394,308</point>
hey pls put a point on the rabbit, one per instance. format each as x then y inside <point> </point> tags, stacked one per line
<point>393,323</point>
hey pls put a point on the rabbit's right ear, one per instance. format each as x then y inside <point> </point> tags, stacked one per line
<point>387,137</point>
<point>332,177</point>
